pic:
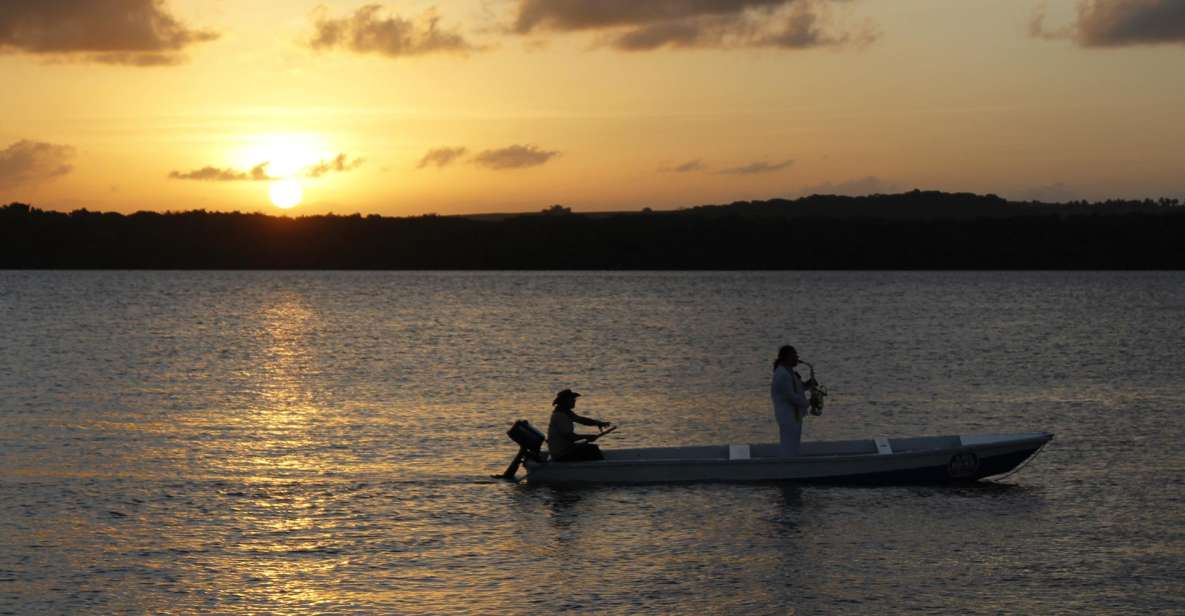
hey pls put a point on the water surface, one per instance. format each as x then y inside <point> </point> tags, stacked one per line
<point>321,442</point>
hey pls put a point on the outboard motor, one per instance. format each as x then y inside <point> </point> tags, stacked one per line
<point>530,442</point>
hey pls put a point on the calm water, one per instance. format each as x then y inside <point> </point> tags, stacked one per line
<point>321,442</point>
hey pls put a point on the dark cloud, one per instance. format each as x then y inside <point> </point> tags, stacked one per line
<point>340,163</point>
<point>677,33</point>
<point>867,185</point>
<point>567,15</point>
<point>258,173</point>
<point>641,26</point>
<point>34,161</point>
<point>1119,23</point>
<point>1109,23</point>
<point>803,28</point>
<point>441,157</point>
<point>367,31</point>
<point>131,32</point>
<point>757,167</point>
<point>513,157</point>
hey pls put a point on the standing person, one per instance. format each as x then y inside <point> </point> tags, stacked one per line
<point>790,402</point>
<point>562,441</point>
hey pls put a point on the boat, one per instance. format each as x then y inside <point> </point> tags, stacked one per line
<point>882,460</point>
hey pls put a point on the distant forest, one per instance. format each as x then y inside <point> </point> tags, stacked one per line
<point>915,230</point>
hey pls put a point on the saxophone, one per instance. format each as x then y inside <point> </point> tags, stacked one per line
<point>819,395</point>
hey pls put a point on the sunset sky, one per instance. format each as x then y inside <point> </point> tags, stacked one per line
<point>462,106</point>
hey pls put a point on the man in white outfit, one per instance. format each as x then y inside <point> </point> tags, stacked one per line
<point>790,402</point>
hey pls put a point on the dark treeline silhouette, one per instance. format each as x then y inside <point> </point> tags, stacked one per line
<point>916,230</point>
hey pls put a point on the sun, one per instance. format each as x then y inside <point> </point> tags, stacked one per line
<point>285,193</point>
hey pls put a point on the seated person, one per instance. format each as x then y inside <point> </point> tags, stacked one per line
<point>562,441</point>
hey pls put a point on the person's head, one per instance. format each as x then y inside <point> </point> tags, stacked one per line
<point>565,400</point>
<point>787,356</point>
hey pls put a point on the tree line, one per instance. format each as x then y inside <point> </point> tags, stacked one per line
<point>916,230</point>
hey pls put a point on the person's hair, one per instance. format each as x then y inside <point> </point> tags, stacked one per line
<point>783,354</point>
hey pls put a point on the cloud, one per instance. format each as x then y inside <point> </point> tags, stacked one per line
<point>757,167</point>
<point>687,167</point>
<point>441,157</point>
<point>1037,28</point>
<point>366,31</point>
<point>803,28</point>
<point>34,161</point>
<point>868,185</point>
<point>1118,23</point>
<point>258,173</point>
<point>569,15</point>
<point>340,163</point>
<point>640,26</point>
<point>130,32</point>
<point>513,157</point>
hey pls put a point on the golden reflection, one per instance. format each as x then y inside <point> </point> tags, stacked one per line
<point>283,545</point>
<point>286,362</point>
<point>278,428</point>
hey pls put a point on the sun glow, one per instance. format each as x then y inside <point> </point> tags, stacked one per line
<point>285,193</point>
<point>286,154</point>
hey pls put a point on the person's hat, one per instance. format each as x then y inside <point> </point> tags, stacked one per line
<point>566,394</point>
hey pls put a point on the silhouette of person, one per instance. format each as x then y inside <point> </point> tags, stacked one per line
<point>790,402</point>
<point>562,441</point>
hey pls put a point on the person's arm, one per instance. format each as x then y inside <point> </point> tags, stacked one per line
<point>589,421</point>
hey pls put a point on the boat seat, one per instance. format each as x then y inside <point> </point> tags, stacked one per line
<point>829,448</point>
<point>923,443</point>
<point>702,452</point>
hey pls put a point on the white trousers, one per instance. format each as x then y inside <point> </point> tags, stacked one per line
<point>789,433</point>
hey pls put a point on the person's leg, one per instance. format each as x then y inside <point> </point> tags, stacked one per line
<point>790,436</point>
<point>584,452</point>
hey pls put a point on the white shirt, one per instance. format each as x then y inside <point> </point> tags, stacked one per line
<point>559,433</point>
<point>787,392</point>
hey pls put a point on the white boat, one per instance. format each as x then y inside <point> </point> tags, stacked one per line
<point>879,460</point>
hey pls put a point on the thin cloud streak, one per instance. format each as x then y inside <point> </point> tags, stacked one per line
<point>757,167</point>
<point>687,167</point>
<point>127,32</point>
<point>338,164</point>
<point>513,157</point>
<point>441,157</point>
<point>258,173</point>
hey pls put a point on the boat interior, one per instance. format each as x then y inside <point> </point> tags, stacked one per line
<point>817,448</point>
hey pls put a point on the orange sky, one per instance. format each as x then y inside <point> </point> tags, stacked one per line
<point>459,106</point>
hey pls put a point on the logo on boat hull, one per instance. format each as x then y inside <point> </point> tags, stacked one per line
<point>963,465</point>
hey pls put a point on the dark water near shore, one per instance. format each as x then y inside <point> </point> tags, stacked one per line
<point>321,442</point>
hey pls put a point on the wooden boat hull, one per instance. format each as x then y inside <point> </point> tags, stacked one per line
<point>895,461</point>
